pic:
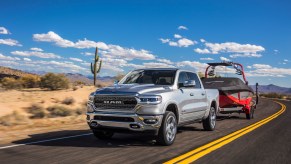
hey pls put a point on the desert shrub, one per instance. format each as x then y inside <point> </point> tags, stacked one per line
<point>54,81</point>
<point>37,111</point>
<point>30,81</point>
<point>59,111</point>
<point>11,83</point>
<point>80,110</point>
<point>68,101</point>
<point>272,95</point>
<point>75,88</point>
<point>14,118</point>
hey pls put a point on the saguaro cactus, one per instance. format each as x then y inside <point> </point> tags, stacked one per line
<point>94,68</point>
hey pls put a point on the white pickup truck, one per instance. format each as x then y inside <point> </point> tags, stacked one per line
<point>153,101</point>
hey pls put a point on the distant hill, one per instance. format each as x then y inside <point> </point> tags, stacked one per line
<point>10,72</point>
<point>75,77</point>
<point>273,88</point>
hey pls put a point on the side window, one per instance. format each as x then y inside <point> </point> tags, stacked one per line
<point>193,76</point>
<point>182,77</point>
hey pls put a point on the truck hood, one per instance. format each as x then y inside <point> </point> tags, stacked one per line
<point>133,89</point>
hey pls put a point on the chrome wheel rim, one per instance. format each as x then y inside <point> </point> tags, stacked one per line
<point>171,128</point>
<point>212,117</point>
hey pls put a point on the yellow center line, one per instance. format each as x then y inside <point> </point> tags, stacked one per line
<point>199,152</point>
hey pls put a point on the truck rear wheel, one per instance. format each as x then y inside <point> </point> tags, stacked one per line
<point>102,134</point>
<point>210,122</point>
<point>168,129</point>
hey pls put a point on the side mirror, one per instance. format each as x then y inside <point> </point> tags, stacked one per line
<point>116,82</point>
<point>189,83</point>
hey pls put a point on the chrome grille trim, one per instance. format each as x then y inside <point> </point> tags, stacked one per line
<point>115,102</point>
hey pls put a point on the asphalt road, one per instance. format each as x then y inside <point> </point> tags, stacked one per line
<point>270,143</point>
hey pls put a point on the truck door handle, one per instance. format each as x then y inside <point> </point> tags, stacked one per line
<point>191,94</point>
<point>202,94</point>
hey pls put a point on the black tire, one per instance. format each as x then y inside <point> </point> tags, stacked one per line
<point>102,134</point>
<point>210,122</point>
<point>167,136</point>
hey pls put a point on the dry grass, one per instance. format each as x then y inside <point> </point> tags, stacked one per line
<point>68,101</point>
<point>36,111</point>
<point>14,118</point>
<point>59,111</point>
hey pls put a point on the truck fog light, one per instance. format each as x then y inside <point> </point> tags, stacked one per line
<point>134,126</point>
<point>93,124</point>
<point>150,121</point>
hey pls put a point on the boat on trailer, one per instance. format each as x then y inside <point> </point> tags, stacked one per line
<point>235,95</point>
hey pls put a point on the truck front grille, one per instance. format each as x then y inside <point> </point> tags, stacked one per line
<point>114,102</point>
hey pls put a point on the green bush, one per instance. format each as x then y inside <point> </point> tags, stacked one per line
<point>11,83</point>
<point>68,101</point>
<point>54,81</point>
<point>59,111</point>
<point>37,111</point>
<point>30,81</point>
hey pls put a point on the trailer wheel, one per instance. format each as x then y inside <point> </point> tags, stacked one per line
<point>251,114</point>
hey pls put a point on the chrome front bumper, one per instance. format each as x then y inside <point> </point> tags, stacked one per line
<point>134,122</point>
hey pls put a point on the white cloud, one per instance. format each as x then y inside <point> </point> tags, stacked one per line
<point>249,67</point>
<point>3,57</point>
<point>233,47</point>
<point>115,51</point>
<point>35,49</point>
<point>165,61</point>
<point>206,59</point>
<point>26,59</point>
<point>262,66</point>
<point>249,55</point>
<point>36,53</point>
<point>87,53</point>
<point>10,42</point>
<point>202,51</point>
<point>3,30</point>
<point>182,42</point>
<point>182,28</point>
<point>285,60</point>
<point>164,40</point>
<point>202,40</point>
<point>76,59</point>
<point>224,58</point>
<point>200,67</point>
<point>112,50</point>
<point>177,36</point>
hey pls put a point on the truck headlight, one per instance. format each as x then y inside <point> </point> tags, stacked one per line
<point>149,99</point>
<point>91,97</point>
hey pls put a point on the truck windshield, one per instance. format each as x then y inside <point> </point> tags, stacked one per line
<point>157,77</point>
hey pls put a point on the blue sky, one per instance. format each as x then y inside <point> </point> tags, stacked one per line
<point>60,36</point>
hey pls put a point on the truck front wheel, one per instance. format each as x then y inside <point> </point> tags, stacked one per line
<point>210,122</point>
<point>102,134</point>
<point>168,129</point>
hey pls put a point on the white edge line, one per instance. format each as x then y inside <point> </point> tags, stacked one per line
<point>54,139</point>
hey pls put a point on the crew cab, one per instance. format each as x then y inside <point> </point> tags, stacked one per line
<point>155,101</point>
